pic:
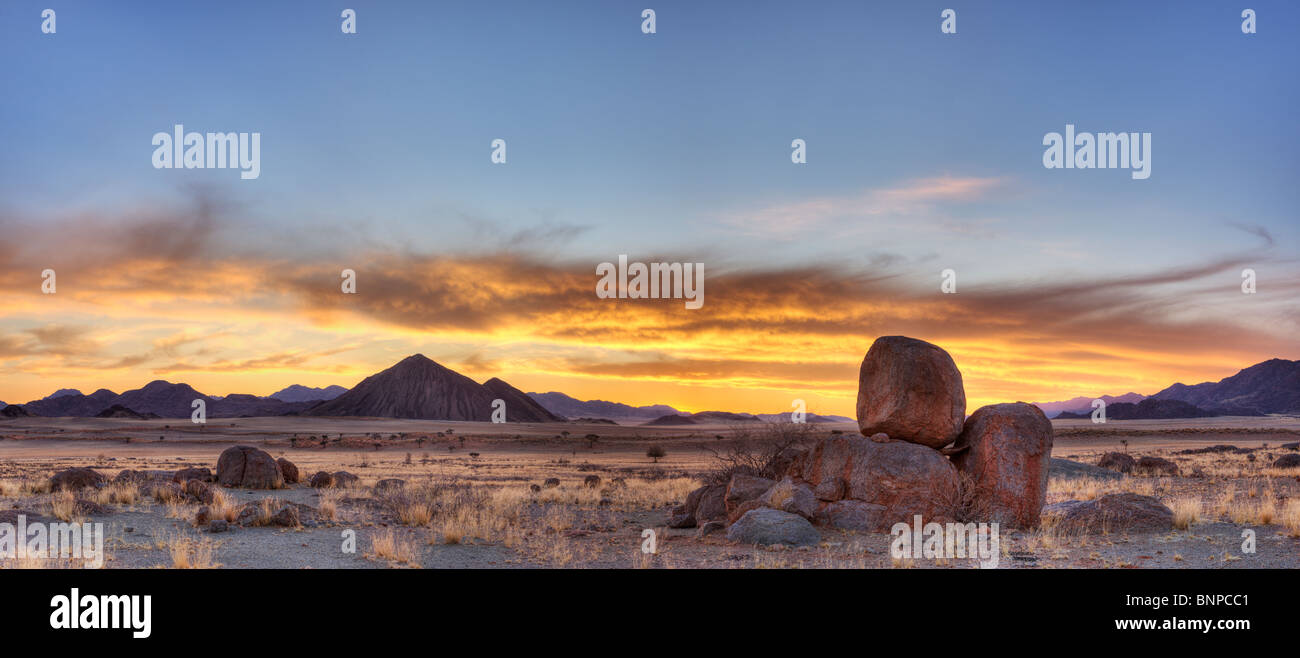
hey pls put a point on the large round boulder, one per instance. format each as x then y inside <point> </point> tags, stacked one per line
<point>288,470</point>
<point>249,468</point>
<point>1005,451</point>
<point>1117,461</point>
<point>903,479</point>
<point>767,526</point>
<point>912,391</point>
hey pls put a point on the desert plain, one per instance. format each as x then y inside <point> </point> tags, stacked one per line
<point>476,495</point>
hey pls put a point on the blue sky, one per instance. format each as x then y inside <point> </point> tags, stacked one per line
<point>924,149</point>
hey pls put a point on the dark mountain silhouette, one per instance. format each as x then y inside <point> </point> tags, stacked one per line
<point>119,411</point>
<point>72,404</point>
<point>163,398</point>
<point>519,407</point>
<point>1271,387</point>
<point>1083,404</point>
<point>416,387</point>
<point>568,407</point>
<point>237,405</point>
<point>300,393</point>
<point>1148,409</point>
<point>671,420</point>
<point>13,411</point>
<point>62,393</point>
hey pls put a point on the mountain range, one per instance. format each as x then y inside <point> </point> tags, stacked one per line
<point>418,387</point>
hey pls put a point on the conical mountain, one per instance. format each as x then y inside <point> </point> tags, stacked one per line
<point>519,407</point>
<point>416,387</point>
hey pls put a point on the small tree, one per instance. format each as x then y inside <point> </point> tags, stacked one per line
<point>655,452</point>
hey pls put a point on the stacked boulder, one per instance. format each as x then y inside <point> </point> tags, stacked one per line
<point>912,416</point>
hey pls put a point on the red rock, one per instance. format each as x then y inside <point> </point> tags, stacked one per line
<point>1006,450</point>
<point>287,470</point>
<point>322,480</point>
<point>72,479</point>
<point>1117,461</point>
<point>1126,512</point>
<point>744,488</point>
<point>1156,466</point>
<point>912,391</point>
<point>905,479</point>
<point>248,467</point>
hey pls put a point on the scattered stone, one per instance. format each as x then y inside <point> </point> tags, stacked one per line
<point>73,479</point>
<point>1007,458</point>
<point>202,516</point>
<point>551,483</point>
<point>1287,461</point>
<point>880,437</point>
<point>200,490</point>
<point>591,482</point>
<point>322,480</point>
<point>1117,461</point>
<point>1291,446</point>
<point>345,479</point>
<point>912,391</point>
<point>1156,466</point>
<point>767,526</point>
<point>712,504</point>
<point>1125,512</point>
<point>249,468</point>
<point>389,485</point>
<point>10,516</point>
<point>740,510</point>
<point>288,470</point>
<point>535,488</point>
<point>85,507</point>
<point>218,525</point>
<point>709,528</point>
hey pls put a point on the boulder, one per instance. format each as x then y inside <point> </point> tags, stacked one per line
<point>288,470</point>
<point>853,515</point>
<point>551,483</point>
<point>591,482</point>
<point>128,476</point>
<point>1005,452</point>
<point>912,391</point>
<point>1117,461</point>
<point>1291,446</point>
<point>790,496</point>
<point>249,468</point>
<point>744,488</point>
<point>10,516</point>
<point>740,510</point>
<point>73,479</point>
<point>200,490</point>
<point>1125,512</point>
<point>905,479</point>
<point>1287,461</point>
<point>345,479</point>
<point>218,525</point>
<point>709,528</point>
<point>185,474</point>
<point>712,505</point>
<point>767,526</point>
<point>389,485</point>
<point>202,516</point>
<point>1156,466</point>
<point>322,480</point>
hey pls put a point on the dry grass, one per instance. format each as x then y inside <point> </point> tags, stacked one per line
<point>328,507</point>
<point>118,493</point>
<point>387,545</point>
<point>189,553</point>
<point>64,507</point>
<point>1187,512</point>
<point>222,506</point>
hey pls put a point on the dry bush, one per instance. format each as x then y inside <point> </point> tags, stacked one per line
<point>387,545</point>
<point>64,507</point>
<point>10,488</point>
<point>189,553</point>
<point>1187,512</point>
<point>329,504</point>
<point>117,493</point>
<point>761,449</point>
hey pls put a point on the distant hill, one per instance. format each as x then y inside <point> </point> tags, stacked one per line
<point>300,393</point>
<point>1270,387</point>
<point>1148,409</point>
<point>418,387</point>
<point>62,393</point>
<point>163,398</point>
<point>119,411</point>
<point>13,411</point>
<point>519,407</point>
<point>72,404</point>
<point>568,407</point>
<point>671,420</point>
<point>1083,404</point>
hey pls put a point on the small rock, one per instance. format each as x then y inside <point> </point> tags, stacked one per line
<point>73,479</point>
<point>767,526</point>
<point>709,528</point>
<point>288,470</point>
<point>551,483</point>
<point>218,525</point>
<point>591,482</point>
<point>1287,461</point>
<point>1156,466</point>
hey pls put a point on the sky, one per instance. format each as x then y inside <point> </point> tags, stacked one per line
<point>924,154</point>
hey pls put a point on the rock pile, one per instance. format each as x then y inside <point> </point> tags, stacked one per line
<point>911,404</point>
